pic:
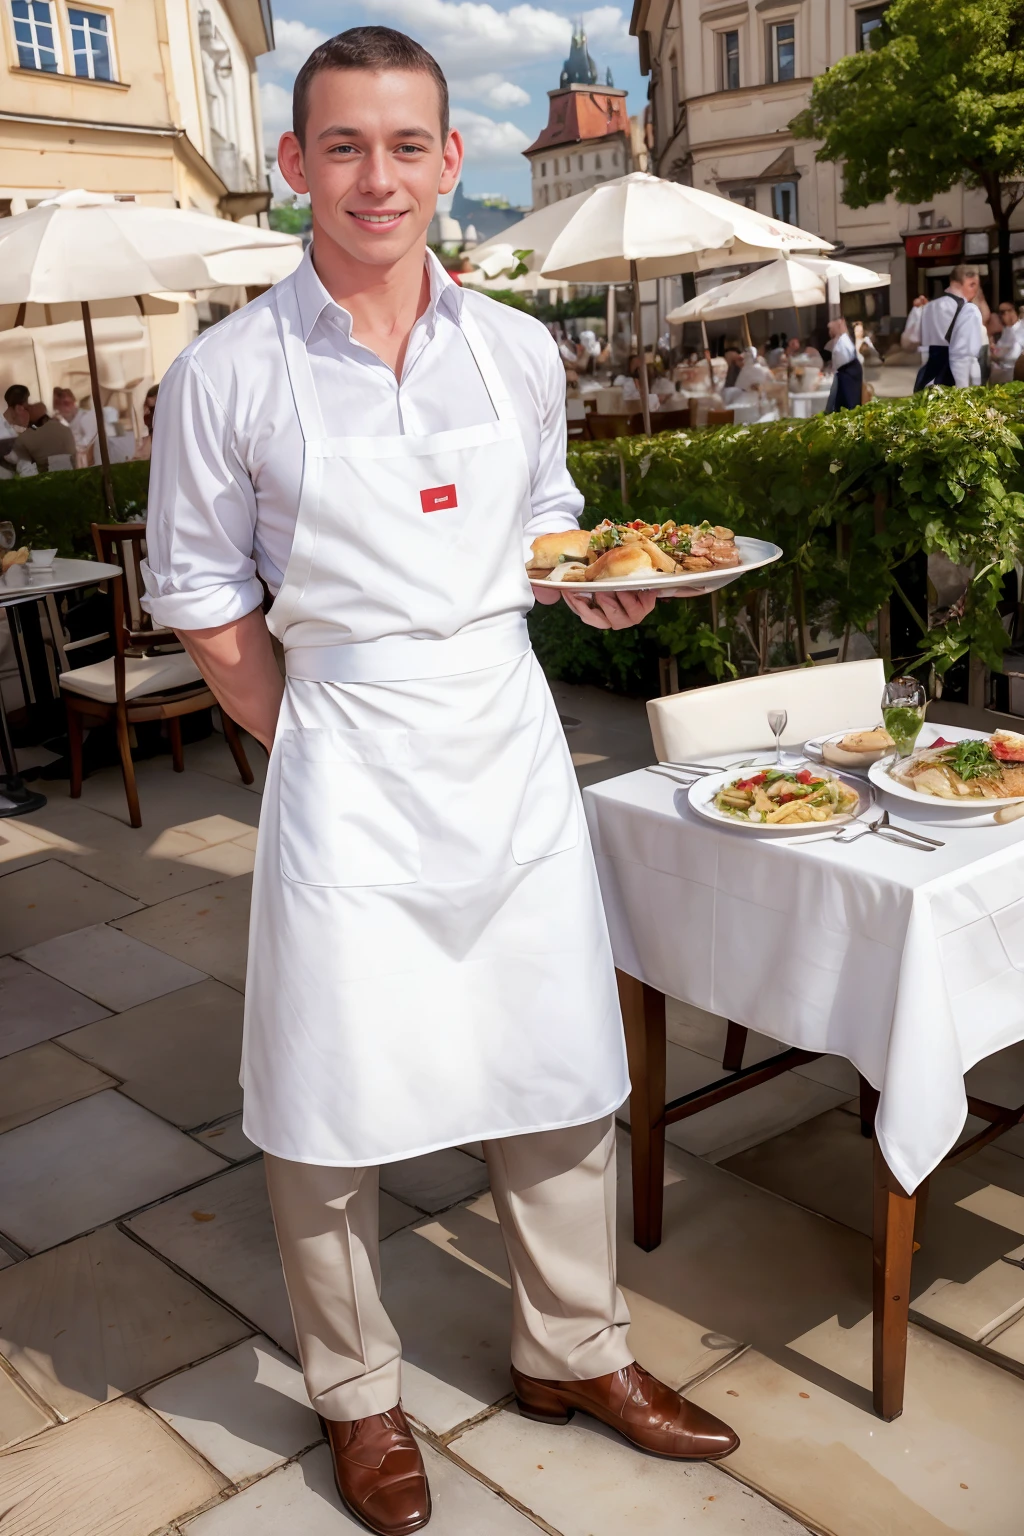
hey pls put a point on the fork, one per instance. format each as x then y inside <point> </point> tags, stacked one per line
<point>881,827</point>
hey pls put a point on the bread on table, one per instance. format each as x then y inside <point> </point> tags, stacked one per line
<point>548,548</point>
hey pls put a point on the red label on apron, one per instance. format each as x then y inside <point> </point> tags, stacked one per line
<point>438,498</point>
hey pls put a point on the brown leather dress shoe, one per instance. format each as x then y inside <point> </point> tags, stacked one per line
<point>379,1472</point>
<point>649,1414</point>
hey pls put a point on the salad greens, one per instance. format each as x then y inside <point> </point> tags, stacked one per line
<point>972,760</point>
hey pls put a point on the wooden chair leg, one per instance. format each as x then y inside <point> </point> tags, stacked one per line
<point>234,741</point>
<point>735,1045</point>
<point>868,1107</point>
<point>75,738</point>
<point>128,769</point>
<point>177,750</point>
<point>892,1257</point>
<point>643,1015</point>
<point>921,1212</point>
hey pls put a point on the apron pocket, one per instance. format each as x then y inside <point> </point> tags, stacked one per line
<point>549,818</point>
<point>345,812</point>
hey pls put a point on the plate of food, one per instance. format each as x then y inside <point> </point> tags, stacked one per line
<point>777,800</point>
<point>856,749</point>
<point>638,556</point>
<point>958,774</point>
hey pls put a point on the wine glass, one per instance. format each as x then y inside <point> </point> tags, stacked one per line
<point>777,719</point>
<point>7,535</point>
<point>903,706</point>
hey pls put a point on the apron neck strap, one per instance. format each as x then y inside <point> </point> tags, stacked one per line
<point>300,374</point>
<point>488,368</point>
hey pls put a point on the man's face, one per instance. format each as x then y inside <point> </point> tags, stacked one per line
<point>793,346</point>
<point>64,405</point>
<point>20,416</point>
<point>373,162</point>
<point>1008,314</point>
<point>969,288</point>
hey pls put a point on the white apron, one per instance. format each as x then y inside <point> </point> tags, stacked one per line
<point>428,956</point>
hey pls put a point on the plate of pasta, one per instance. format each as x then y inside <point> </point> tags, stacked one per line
<point>777,800</point>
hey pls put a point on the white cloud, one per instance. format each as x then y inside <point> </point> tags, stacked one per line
<point>467,34</point>
<point>608,31</point>
<point>490,89</point>
<point>488,142</point>
<point>294,42</point>
<point>276,110</point>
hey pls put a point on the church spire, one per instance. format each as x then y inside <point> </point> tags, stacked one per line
<point>579,68</point>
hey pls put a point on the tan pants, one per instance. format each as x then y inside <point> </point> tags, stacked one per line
<point>554,1193</point>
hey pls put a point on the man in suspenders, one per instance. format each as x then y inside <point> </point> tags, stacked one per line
<point>428,963</point>
<point>952,333</point>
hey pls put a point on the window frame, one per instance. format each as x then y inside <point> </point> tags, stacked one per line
<point>860,37</point>
<point>778,187</point>
<point>724,58</point>
<point>100,11</point>
<point>55,29</point>
<point>773,28</point>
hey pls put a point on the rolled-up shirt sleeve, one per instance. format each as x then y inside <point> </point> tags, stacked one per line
<point>555,503</point>
<point>200,570</point>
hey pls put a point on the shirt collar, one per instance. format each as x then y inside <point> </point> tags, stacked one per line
<point>314,299</point>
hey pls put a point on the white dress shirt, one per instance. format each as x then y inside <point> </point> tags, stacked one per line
<point>228,450</point>
<point>843,350</point>
<point>968,336</point>
<point>1004,352</point>
<point>83,429</point>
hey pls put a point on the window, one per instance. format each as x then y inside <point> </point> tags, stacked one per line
<point>90,44</point>
<point>35,35</point>
<point>597,162</point>
<point>615,157</point>
<point>674,75</point>
<point>867,23</point>
<point>782,51</point>
<point>543,167</point>
<point>579,162</point>
<point>730,46</point>
<point>784,201</point>
<point>745,195</point>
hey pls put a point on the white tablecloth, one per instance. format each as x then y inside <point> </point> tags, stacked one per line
<point>805,405</point>
<point>909,964</point>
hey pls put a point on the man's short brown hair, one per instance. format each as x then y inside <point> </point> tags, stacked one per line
<point>372,48</point>
<point>962,271</point>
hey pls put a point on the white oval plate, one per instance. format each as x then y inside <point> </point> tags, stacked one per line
<point>754,553</point>
<point>879,775</point>
<point>814,746</point>
<point>702,797</point>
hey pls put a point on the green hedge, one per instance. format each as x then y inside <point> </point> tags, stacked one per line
<point>55,511</point>
<point>848,497</point>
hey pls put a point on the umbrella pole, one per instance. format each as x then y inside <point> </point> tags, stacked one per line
<point>746,333</point>
<point>707,354</point>
<point>645,401</point>
<point>97,405</point>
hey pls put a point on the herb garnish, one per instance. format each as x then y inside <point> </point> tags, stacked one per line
<point>973,760</point>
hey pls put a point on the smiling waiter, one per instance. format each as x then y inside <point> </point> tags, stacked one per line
<point>428,958</point>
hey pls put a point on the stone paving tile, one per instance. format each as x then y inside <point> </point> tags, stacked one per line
<point>178,1054</point>
<point>950,1463</point>
<point>223,1234</point>
<point>18,847</point>
<point>169,798</point>
<point>41,1079</point>
<point>34,1007</point>
<point>95,1318</point>
<point>246,1410</point>
<point>48,899</point>
<point>228,1140</point>
<point>147,862</point>
<point>110,967</point>
<point>302,1499</point>
<point>20,1417</point>
<point>115,1472</point>
<point>586,1481</point>
<point>208,929</point>
<point>88,1163</point>
<point>435,1181</point>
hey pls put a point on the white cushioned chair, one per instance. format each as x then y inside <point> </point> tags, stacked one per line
<point>149,676</point>
<point>732,717</point>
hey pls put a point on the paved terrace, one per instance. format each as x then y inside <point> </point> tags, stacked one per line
<point>147,1374</point>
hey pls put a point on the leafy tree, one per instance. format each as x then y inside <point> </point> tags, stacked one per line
<point>938,98</point>
<point>287,219</point>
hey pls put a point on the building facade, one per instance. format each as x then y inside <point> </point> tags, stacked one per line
<point>588,137</point>
<point>726,79</point>
<point>154,100</point>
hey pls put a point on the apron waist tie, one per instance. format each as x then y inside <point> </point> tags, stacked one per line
<point>400,658</point>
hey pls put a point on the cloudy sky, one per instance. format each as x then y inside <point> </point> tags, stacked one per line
<point>501,59</point>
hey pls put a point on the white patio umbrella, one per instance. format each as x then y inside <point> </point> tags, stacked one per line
<point>638,227</point>
<point>82,248</point>
<point>794,282</point>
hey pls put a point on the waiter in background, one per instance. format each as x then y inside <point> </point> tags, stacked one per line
<point>953,333</point>
<point>428,960</point>
<point>847,369</point>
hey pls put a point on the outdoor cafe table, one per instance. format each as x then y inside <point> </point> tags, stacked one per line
<point>909,964</point>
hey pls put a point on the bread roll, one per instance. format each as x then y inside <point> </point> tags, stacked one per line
<point>548,547</point>
<point>626,560</point>
<point>867,741</point>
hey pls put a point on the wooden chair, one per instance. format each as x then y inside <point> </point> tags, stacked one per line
<point>721,418</point>
<point>671,421</point>
<point>149,676</point>
<point>579,430</point>
<point>603,427</point>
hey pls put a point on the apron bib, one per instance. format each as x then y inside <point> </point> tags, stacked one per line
<point>935,369</point>
<point>428,960</point>
<point>847,387</point>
